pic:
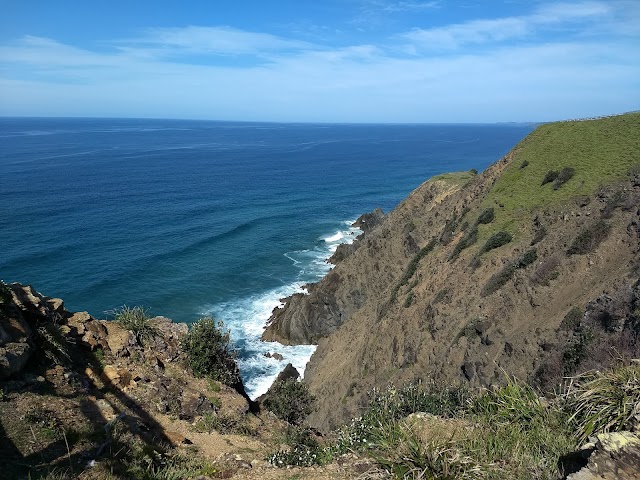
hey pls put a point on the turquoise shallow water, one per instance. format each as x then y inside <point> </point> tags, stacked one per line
<point>192,218</point>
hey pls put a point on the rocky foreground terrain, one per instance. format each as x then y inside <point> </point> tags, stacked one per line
<point>85,398</point>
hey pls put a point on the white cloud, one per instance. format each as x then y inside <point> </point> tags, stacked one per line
<point>147,77</point>
<point>209,40</point>
<point>508,28</point>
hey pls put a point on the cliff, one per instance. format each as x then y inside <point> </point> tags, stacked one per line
<point>530,268</point>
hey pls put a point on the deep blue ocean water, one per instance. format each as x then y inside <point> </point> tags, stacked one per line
<point>192,218</point>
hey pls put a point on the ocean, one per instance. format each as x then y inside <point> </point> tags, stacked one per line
<point>195,218</point>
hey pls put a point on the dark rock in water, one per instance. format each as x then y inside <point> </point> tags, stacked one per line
<point>288,373</point>
<point>368,221</point>
<point>343,251</point>
<point>307,318</point>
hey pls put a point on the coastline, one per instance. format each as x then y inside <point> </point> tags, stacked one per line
<point>261,361</point>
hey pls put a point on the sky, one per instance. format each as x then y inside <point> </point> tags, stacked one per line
<point>382,61</point>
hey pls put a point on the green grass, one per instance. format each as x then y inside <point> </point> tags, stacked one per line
<point>136,320</point>
<point>601,151</point>
<point>455,178</point>
<point>604,401</point>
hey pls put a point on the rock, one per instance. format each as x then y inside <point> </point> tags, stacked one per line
<point>368,221</point>
<point>193,404</point>
<point>288,372</point>
<point>108,412</point>
<point>177,438</point>
<point>613,456</point>
<point>13,358</point>
<point>469,370</point>
<point>55,304</point>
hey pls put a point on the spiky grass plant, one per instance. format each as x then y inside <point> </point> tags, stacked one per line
<point>606,401</point>
<point>439,459</point>
<point>137,321</point>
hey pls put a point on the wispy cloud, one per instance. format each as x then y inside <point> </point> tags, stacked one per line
<point>508,28</point>
<point>390,6</point>
<point>158,74</point>
<point>209,40</point>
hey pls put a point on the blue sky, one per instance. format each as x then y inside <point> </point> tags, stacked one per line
<point>325,60</point>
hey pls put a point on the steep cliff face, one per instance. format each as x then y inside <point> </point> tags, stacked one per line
<point>473,276</point>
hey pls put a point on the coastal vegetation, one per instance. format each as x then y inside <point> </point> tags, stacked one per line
<point>591,154</point>
<point>208,351</point>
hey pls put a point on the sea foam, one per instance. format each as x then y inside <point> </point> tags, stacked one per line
<point>246,317</point>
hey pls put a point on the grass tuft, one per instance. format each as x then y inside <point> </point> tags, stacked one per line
<point>605,401</point>
<point>137,321</point>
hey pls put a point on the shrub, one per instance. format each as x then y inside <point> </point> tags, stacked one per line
<point>604,401</point>
<point>496,240</point>
<point>503,276</point>
<point>514,403</point>
<point>5,292</point>
<point>616,200</point>
<point>304,450</point>
<point>563,177</point>
<point>208,352</point>
<point>589,239</point>
<point>413,266</point>
<point>524,164</point>
<point>486,216</point>
<point>550,177</point>
<point>469,239</point>
<point>136,320</point>
<point>379,424</point>
<point>290,401</point>
<point>546,271</point>
<point>475,263</point>
<point>441,296</point>
<point>571,320</point>
<point>539,234</point>
<point>576,351</point>
<point>409,300</point>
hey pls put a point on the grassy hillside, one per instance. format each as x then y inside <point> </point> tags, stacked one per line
<point>584,146</point>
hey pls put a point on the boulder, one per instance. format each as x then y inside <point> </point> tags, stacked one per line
<point>611,456</point>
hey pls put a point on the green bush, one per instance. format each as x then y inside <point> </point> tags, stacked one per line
<point>563,177</point>
<point>469,239</point>
<point>413,267</point>
<point>290,401</point>
<point>208,352</point>
<point>539,234</point>
<point>5,292</point>
<point>486,216</point>
<point>503,276</point>
<point>304,450</point>
<point>550,177</point>
<point>571,320</point>
<point>576,351</point>
<point>589,239</point>
<point>409,300</point>
<point>496,240</point>
<point>136,320</point>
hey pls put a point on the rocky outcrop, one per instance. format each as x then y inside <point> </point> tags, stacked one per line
<point>374,259</point>
<point>611,456</point>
